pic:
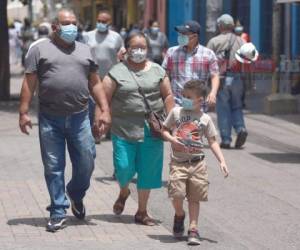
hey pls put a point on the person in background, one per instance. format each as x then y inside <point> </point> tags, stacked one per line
<point>13,44</point>
<point>123,33</point>
<point>229,105</point>
<point>43,31</point>
<point>191,61</point>
<point>248,82</point>
<point>239,31</point>
<point>134,28</point>
<point>158,43</point>
<point>106,48</point>
<point>27,37</point>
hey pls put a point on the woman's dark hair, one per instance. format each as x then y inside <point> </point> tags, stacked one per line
<point>133,35</point>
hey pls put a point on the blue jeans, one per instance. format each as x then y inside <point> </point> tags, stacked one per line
<point>55,133</point>
<point>230,108</point>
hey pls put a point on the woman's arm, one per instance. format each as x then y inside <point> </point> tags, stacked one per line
<point>167,95</point>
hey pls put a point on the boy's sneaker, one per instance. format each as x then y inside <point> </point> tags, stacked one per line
<point>55,224</point>
<point>241,138</point>
<point>178,226</point>
<point>78,208</point>
<point>193,237</point>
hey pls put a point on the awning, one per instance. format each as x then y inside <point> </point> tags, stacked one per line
<point>288,1</point>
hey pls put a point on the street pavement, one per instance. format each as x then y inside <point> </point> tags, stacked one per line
<point>256,207</point>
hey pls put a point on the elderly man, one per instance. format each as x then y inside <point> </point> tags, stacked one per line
<point>65,72</point>
<point>191,61</point>
<point>229,101</point>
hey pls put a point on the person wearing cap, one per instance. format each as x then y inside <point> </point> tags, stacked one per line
<point>229,101</point>
<point>239,31</point>
<point>191,61</point>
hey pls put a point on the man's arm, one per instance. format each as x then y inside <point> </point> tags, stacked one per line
<point>166,91</point>
<point>103,121</point>
<point>28,88</point>
<point>215,83</point>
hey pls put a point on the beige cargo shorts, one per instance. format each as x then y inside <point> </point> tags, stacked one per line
<point>188,179</point>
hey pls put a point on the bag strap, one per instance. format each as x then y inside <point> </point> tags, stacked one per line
<point>230,46</point>
<point>142,93</point>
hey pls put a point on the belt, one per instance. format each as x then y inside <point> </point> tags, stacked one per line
<point>196,159</point>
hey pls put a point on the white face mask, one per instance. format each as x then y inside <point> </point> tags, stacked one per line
<point>138,55</point>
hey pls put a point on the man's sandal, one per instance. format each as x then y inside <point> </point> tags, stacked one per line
<point>120,204</point>
<point>144,219</point>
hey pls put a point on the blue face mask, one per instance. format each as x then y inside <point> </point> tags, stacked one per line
<point>182,40</point>
<point>187,104</point>
<point>238,29</point>
<point>154,30</point>
<point>68,33</point>
<point>102,27</point>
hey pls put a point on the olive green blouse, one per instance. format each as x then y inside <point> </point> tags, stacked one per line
<point>128,107</point>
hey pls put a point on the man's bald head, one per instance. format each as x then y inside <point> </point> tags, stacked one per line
<point>65,17</point>
<point>104,17</point>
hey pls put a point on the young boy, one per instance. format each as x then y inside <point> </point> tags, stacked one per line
<point>188,171</point>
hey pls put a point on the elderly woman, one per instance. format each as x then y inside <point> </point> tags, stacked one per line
<point>135,150</point>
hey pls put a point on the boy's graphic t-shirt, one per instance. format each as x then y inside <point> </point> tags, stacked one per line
<point>189,127</point>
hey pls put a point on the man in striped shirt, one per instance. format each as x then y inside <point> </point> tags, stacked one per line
<point>191,61</point>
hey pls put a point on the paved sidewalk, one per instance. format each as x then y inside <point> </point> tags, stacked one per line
<point>24,197</point>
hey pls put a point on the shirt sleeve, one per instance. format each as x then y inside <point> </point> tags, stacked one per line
<point>170,120</point>
<point>93,65</point>
<point>165,43</point>
<point>32,60</point>
<point>213,64</point>
<point>120,42</point>
<point>210,45</point>
<point>166,60</point>
<point>210,130</point>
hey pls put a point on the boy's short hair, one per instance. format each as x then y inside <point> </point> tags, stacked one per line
<point>198,86</point>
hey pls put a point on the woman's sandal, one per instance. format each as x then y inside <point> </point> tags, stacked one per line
<point>144,219</point>
<point>120,204</point>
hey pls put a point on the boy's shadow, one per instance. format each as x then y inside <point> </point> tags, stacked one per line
<point>172,239</point>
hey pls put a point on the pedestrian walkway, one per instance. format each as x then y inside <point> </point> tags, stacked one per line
<point>257,207</point>
<point>24,198</point>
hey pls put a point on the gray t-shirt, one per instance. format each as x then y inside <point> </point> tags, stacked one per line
<point>104,48</point>
<point>190,128</point>
<point>63,76</point>
<point>157,44</point>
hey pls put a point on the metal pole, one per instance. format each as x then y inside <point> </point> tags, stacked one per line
<point>30,11</point>
<point>276,20</point>
<point>287,48</point>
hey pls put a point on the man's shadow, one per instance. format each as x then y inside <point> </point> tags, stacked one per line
<point>89,220</point>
